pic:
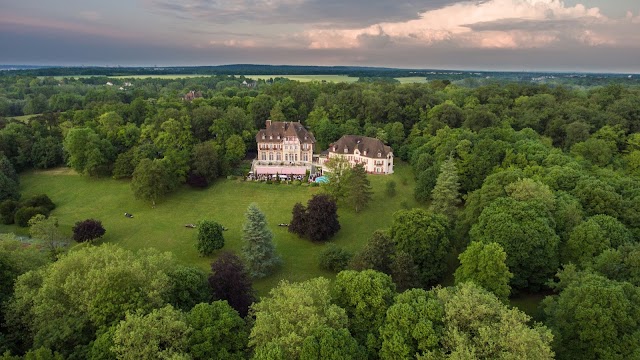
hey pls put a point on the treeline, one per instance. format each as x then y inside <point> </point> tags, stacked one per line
<point>474,77</point>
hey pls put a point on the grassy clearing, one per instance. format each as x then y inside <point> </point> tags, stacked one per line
<point>25,118</point>
<point>79,197</point>
<point>178,76</point>
<point>307,78</point>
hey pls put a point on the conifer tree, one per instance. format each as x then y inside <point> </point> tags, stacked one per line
<point>446,194</point>
<point>258,249</point>
<point>358,187</point>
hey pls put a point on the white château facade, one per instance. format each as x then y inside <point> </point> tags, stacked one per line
<point>373,153</point>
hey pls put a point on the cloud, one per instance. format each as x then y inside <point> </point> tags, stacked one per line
<point>90,15</point>
<point>323,13</point>
<point>509,24</point>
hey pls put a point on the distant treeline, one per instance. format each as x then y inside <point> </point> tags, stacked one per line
<point>582,79</point>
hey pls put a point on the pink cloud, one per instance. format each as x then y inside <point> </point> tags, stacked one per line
<point>454,24</point>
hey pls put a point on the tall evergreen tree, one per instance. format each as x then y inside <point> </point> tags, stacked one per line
<point>446,194</point>
<point>358,192</point>
<point>258,249</point>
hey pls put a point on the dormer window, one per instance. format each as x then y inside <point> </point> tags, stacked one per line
<point>263,137</point>
<point>270,137</point>
<point>335,149</point>
<point>365,153</point>
<point>278,137</point>
<point>346,150</point>
<point>379,154</point>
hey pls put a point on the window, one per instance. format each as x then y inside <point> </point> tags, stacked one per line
<point>264,156</point>
<point>286,157</point>
<point>379,154</point>
<point>346,150</point>
<point>270,156</point>
<point>306,157</point>
<point>279,157</point>
<point>270,137</point>
<point>263,137</point>
<point>296,157</point>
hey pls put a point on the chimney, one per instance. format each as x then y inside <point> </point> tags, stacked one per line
<point>268,123</point>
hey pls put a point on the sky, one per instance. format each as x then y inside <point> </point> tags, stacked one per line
<point>513,35</point>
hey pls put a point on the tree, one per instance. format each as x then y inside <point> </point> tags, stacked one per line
<point>484,264</point>
<point>298,224</point>
<point>188,287</point>
<point>258,250</point>
<point>424,236</point>
<point>152,180</point>
<point>230,281</point>
<point>377,254</point>
<point>86,152</point>
<point>526,232</point>
<point>88,230</point>
<point>322,218</point>
<point>337,172</point>
<point>290,314</point>
<point>413,325</point>
<point>161,334</point>
<point>404,271</point>
<point>205,160</point>
<point>365,296</point>
<point>334,258</point>
<point>235,150</point>
<point>328,343</point>
<point>593,317</point>
<point>217,332</point>
<point>445,196</point>
<point>478,325</point>
<point>590,238</point>
<point>9,185</point>
<point>91,288</point>
<point>8,210</point>
<point>46,230</point>
<point>209,238</point>
<point>25,213</point>
<point>358,192</point>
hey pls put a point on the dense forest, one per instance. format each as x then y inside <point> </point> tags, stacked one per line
<point>534,188</point>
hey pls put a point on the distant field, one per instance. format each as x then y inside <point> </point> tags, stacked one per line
<point>301,78</point>
<point>158,76</point>
<point>79,197</point>
<point>24,118</point>
<point>308,78</point>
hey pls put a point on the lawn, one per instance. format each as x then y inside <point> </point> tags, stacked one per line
<point>79,197</point>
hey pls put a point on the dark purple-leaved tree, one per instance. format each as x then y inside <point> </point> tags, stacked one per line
<point>229,280</point>
<point>88,230</point>
<point>298,223</point>
<point>322,218</point>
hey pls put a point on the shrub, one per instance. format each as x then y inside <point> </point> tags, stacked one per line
<point>88,230</point>
<point>24,214</point>
<point>197,181</point>
<point>210,237</point>
<point>7,211</point>
<point>314,184</point>
<point>230,177</point>
<point>297,182</point>
<point>391,188</point>
<point>41,200</point>
<point>334,258</point>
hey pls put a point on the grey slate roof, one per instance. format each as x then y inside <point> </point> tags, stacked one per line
<point>283,129</point>
<point>372,146</point>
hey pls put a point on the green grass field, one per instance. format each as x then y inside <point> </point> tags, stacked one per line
<point>79,197</point>
<point>24,118</point>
